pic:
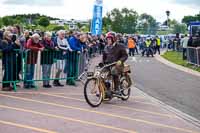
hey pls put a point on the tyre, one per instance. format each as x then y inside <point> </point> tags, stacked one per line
<point>126,94</point>
<point>126,88</point>
<point>92,93</point>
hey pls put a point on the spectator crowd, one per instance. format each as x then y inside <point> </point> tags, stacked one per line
<point>17,45</point>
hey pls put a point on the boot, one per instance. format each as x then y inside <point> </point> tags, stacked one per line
<point>55,82</point>
<point>59,84</point>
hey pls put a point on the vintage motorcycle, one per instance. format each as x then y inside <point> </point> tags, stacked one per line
<point>100,87</point>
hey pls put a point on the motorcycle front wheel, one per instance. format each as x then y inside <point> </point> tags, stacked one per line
<point>92,92</point>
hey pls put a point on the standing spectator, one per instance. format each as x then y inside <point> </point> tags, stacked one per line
<point>184,43</point>
<point>47,58</point>
<point>140,43</point>
<point>76,46</point>
<point>1,34</point>
<point>25,37</point>
<point>17,35</point>
<point>158,43</point>
<point>131,46</point>
<point>83,41</point>
<point>136,44</point>
<point>1,37</point>
<point>63,46</point>
<point>176,43</point>
<point>9,60</point>
<point>148,48</point>
<point>154,43</point>
<point>102,44</point>
<point>34,46</point>
<point>75,43</point>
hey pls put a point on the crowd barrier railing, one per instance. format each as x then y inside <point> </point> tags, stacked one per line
<point>193,55</point>
<point>30,66</point>
<point>11,68</point>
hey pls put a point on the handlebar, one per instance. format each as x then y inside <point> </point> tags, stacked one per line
<point>102,66</point>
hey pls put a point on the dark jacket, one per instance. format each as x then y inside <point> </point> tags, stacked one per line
<point>9,57</point>
<point>114,54</point>
<point>9,53</point>
<point>47,56</point>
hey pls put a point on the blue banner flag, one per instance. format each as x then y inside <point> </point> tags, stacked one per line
<point>96,25</point>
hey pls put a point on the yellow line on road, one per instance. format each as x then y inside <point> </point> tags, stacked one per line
<point>103,113</point>
<point>152,104</point>
<point>137,97</point>
<point>67,119</point>
<point>26,127</point>
<point>144,111</point>
<point>122,107</point>
<point>77,99</point>
<point>65,97</point>
<point>62,94</point>
<point>31,93</point>
<point>81,94</point>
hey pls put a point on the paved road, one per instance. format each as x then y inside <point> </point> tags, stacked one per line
<point>176,88</point>
<point>64,110</point>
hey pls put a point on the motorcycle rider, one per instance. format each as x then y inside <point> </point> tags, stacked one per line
<point>115,52</point>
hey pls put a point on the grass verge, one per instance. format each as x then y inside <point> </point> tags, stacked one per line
<point>176,57</point>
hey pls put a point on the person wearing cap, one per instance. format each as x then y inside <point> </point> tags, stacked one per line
<point>9,58</point>
<point>115,52</point>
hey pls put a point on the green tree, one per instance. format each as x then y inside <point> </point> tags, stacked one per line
<point>122,21</point>
<point>19,19</point>
<point>57,28</point>
<point>179,28</point>
<point>43,21</point>
<point>188,19</point>
<point>147,24</point>
<point>107,23</point>
<point>7,21</point>
<point>1,23</point>
<point>80,25</point>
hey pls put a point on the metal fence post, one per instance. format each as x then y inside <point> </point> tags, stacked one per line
<point>198,56</point>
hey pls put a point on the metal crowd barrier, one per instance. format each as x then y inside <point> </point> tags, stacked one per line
<point>11,68</point>
<point>83,65</point>
<point>198,56</point>
<point>30,67</point>
<point>193,55</point>
<point>53,65</point>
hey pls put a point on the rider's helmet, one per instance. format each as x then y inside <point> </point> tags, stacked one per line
<point>111,35</point>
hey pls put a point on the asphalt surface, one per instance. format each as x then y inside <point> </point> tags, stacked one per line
<point>171,86</point>
<point>64,110</point>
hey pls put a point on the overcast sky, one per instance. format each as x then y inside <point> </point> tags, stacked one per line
<point>82,9</point>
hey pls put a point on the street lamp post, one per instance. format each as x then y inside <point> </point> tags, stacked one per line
<point>168,14</point>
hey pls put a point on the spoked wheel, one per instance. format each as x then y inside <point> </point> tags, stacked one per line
<point>126,94</point>
<point>92,93</point>
<point>126,88</point>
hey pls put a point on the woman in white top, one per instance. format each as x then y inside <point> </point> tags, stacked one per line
<point>63,46</point>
